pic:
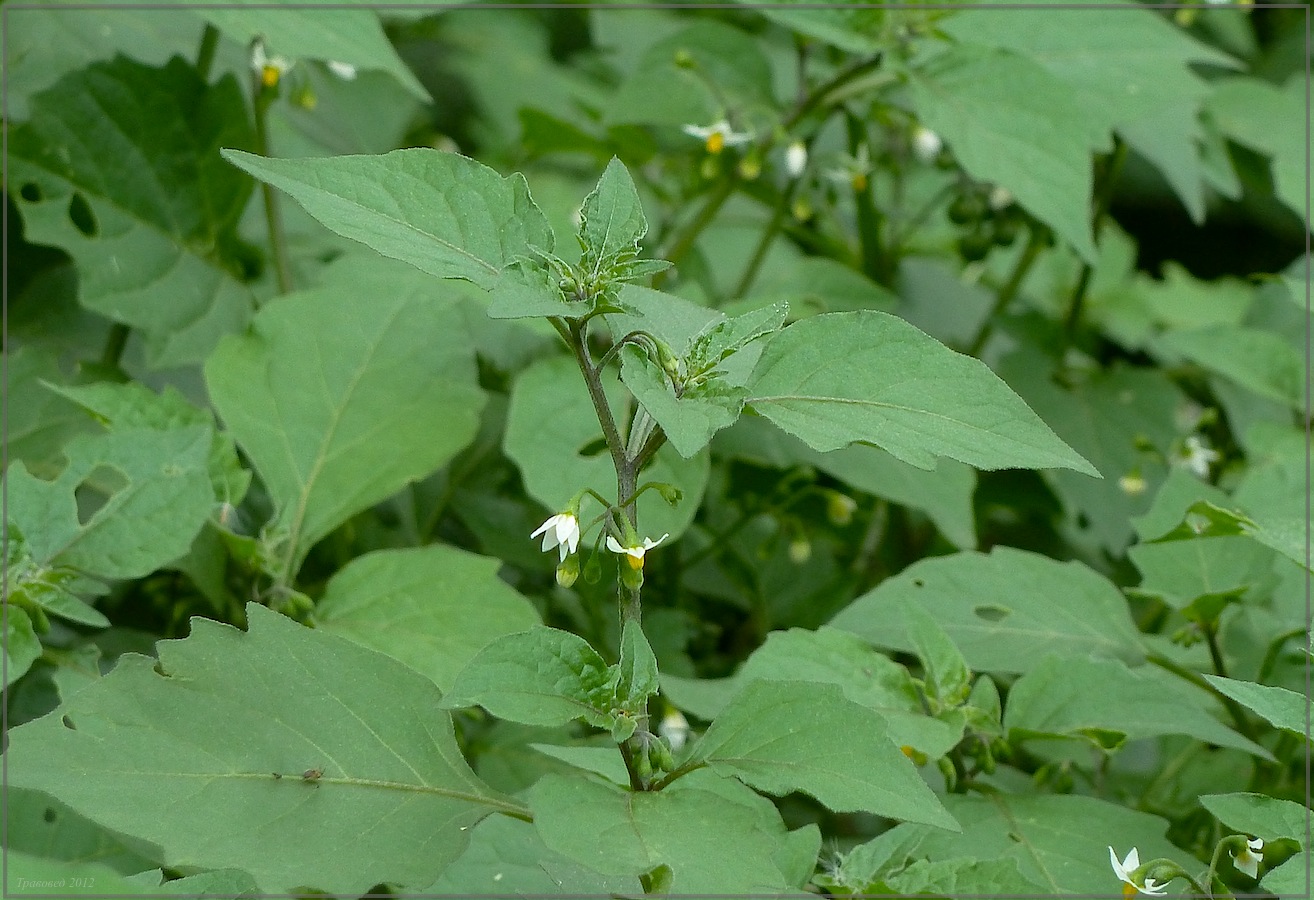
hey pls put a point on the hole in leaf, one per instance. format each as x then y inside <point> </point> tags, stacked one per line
<point>49,815</point>
<point>595,447</point>
<point>68,723</point>
<point>917,582</point>
<point>1083,521</point>
<point>80,214</point>
<point>100,485</point>
<point>31,192</point>
<point>992,613</point>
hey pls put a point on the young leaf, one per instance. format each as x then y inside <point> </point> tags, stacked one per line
<point>839,378</point>
<point>688,421</point>
<point>335,399</point>
<point>638,668</point>
<point>212,742</point>
<point>432,607</point>
<point>155,240</point>
<point>157,495</point>
<point>781,736</point>
<point>947,675</point>
<point>542,676</point>
<point>443,213</point>
<point>21,645</point>
<point>611,219</point>
<point>995,607</point>
<point>1266,817</point>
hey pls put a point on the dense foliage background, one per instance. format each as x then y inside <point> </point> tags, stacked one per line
<point>273,616</point>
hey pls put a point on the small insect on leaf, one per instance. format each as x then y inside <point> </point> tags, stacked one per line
<point>312,775</point>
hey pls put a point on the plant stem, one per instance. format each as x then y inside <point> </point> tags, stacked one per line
<point>764,242</point>
<point>577,339</point>
<point>273,213</point>
<point>1035,241</point>
<point>1102,201</point>
<point>115,342</point>
<point>205,55</point>
<point>685,238</point>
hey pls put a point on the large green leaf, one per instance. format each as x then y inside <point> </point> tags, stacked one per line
<point>432,608</point>
<point>1060,842</point>
<point>840,378</point>
<point>343,394</point>
<point>38,420</point>
<point>351,36</point>
<point>1265,817</point>
<point>1269,119</point>
<point>1129,70</point>
<point>119,168</point>
<point>826,656</point>
<point>1103,700</point>
<point>1009,121</point>
<point>443,213</point>
<point>779,737</point>
<point>1259,361</point>
<point>211,743</point>
<point>543,676</point>
<point>1281,707</point>
<point>999,608</point>
<point>711,842</point>
<point>156,495</point>
<point>42,826</point>
<point>553,436</point>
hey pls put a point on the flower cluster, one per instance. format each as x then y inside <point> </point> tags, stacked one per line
<point>561,532</point>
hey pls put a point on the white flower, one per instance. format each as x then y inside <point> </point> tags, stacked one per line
<point>1249,858</point>
<point>345,71</point>
<point>562,530</point>
<point>717,136</point>
<point>796,158</point>
<point>268,68</point>
<point>1197,456</point>
<point>1125,869</point>
<point>634,555</point>
<point>675,728</point>
<point>926,144</point>
<point>852,171</point>
<point>999,197</point>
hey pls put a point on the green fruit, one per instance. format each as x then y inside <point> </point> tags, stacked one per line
<point>967,208</point>
<point>975,244</point>
<point>1006,229</point>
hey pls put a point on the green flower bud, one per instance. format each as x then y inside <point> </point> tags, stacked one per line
<point>568,570</point>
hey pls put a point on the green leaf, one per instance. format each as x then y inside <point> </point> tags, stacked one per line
<point>1067,695</point>
<point>961,877</point>
<point>1180,571</point>
<point>351,36</point>
<point>507,856</point>
<point>154,239</point>
<point>334,397</point>
<point>779,737</point>
<point>1267,118</point>
<point>553,436</point>
<point>21,645</point>
<point>1129,69</point>
<point>826,656</point>
<point>1281,707</point>
<point>1291,879</point>
<point>133,405</point>
<point>711,843</point>
<point>211,741</point>
<point>39,421</point>
<point>1264,817</point>
<point>638,668</point>
<point>42,826</point>
<point>688,421</point>
<point>947,675</point>
<point>727,67</point>
<point>432,608</point>
<point>717,342</point>
<point>156,497</point>
<point>443,213</point>
<point>1059,842</point>
<point>852,26</point>
<point>944,493</point>
<point>839,378</point>
<point>1009,121</point>
<point>31,874</point>
<point>611,219</point>
<point>1259,361</point>
<point>542,676</point>
<point>999,607</point>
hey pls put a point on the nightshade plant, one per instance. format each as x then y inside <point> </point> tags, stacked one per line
<point>610,527</point>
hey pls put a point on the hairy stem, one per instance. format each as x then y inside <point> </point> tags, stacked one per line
<point>273,213</point>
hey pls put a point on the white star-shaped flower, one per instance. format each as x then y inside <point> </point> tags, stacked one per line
<point>634,555</point>
<point>561,530</point>
<point>1249,858</point>
<point>796,158</point>
<point>269,68</point>
<point>1125,871</point>
<point>1197,456</point>
<point>717,136</point>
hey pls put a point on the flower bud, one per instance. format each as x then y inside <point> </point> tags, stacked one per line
<point>800,550</point>
<point>568,570</point>
<point>839,508</point>
<point>796,158</point>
